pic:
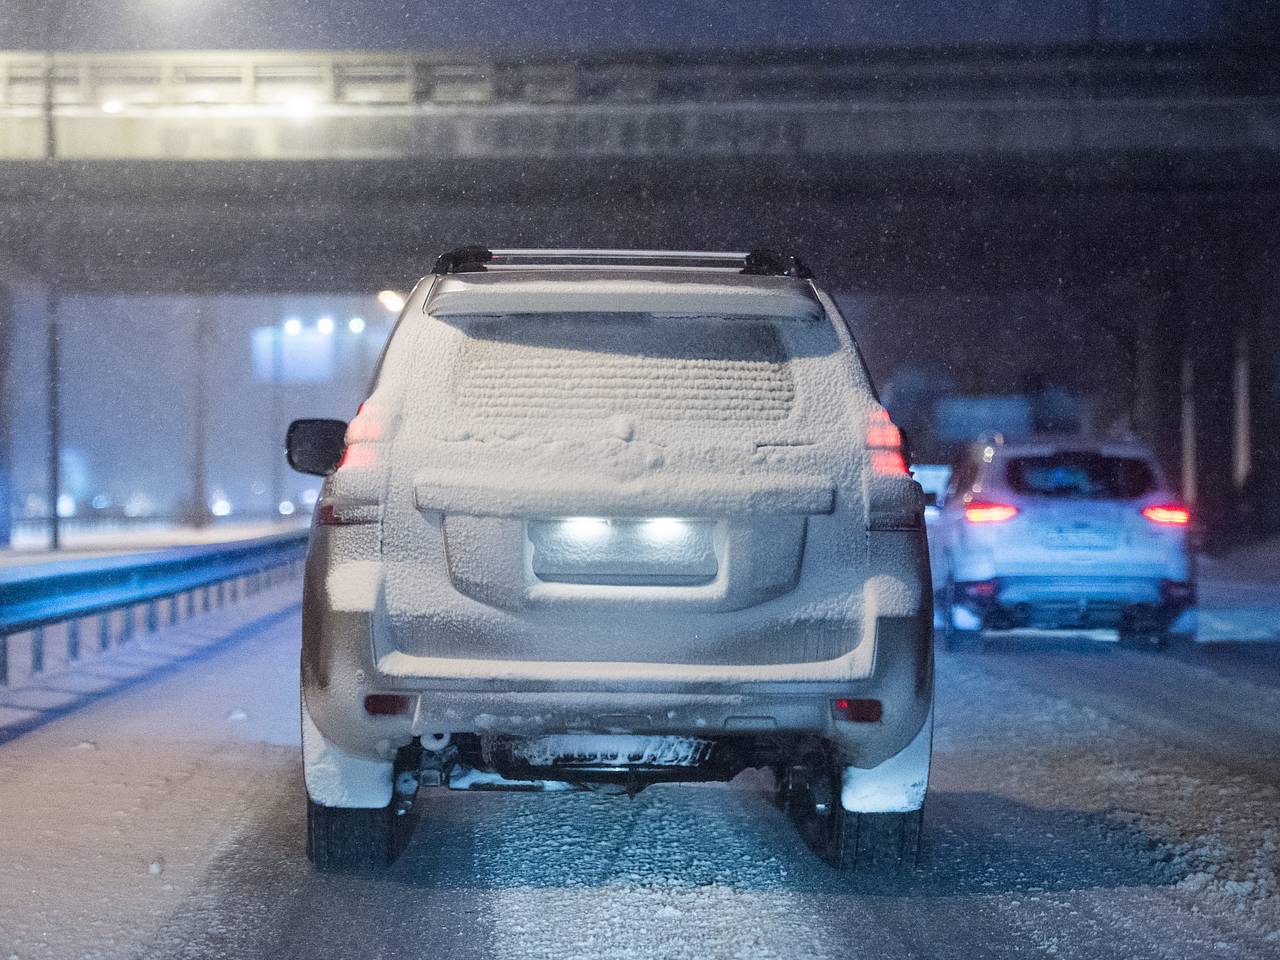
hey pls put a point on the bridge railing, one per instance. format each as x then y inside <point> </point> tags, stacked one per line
<point>53,616</point>
<point>121,81</point>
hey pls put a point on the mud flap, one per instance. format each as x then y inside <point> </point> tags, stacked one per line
<point>335,778</point>
<point>898,784</point>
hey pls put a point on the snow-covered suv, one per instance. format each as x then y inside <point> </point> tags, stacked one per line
<point>607,519</point>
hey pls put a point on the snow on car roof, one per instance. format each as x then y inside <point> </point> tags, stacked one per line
<point>633,290</point>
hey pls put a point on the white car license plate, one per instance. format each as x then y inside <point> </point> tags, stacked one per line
<point>1079,538</point>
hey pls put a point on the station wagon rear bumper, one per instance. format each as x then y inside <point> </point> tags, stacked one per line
<point>1074,601</point>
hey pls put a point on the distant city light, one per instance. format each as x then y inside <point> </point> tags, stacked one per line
<point>66,505</point>
<point>392,300</point>
<point>220,506</point>
<point>293,326</point>
<point>356,325</point>
<point>300,108</point>
<point>310,495</point>
<point>113,106</point>
<point>325,325</point>
<point>286,508</point>
<point>139,504</point>
<point>101,501</point>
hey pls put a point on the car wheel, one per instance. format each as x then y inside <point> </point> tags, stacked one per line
<point>1134,634</point>
<point>952,638</point>
<point>344,838</point>
<point>852,842</point>
<point>878,841</point>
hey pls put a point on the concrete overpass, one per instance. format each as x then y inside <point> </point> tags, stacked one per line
<point>1139,184</point>
<point>911,169</point>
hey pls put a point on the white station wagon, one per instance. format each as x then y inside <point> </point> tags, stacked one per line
<point>1064,534</point>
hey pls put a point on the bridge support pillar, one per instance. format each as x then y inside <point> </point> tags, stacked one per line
<point>1225,338</point>
<point>8,312</point>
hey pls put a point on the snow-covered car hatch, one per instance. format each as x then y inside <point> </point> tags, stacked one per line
<point>624,447</point>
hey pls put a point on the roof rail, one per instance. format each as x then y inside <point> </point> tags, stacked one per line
<point>769,263</point>
<point>759,262</point>
<point>462,260</point>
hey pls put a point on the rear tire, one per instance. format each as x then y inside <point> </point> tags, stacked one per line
<point>952,639</point>
<point>878,841</point>
<point>343,838</point>
<point>1135,634</point>
<point>852,842</point>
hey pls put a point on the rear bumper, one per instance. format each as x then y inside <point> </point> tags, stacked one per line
<point>1075,601</point>
<point>496,697</point>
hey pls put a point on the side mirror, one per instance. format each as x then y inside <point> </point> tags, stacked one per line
<point>316,446</point>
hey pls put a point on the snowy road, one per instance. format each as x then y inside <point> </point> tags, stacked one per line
<point>1086,802</point>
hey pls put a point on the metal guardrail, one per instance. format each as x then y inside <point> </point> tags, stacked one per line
<point>28,528</point>
<point>51,614</point>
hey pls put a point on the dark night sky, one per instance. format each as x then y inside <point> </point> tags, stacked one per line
<point>515,26</point>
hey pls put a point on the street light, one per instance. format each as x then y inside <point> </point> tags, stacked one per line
<point>392,300</point>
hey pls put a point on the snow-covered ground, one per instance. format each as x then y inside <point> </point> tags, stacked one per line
<point>1240,595</point>
<point>1086,802</point>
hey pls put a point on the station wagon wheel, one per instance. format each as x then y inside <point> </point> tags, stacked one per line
<point>953,639</point>
<point>1135,635</point>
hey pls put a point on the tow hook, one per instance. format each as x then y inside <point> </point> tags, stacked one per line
<point>405,778</point>
<point>406,791</point>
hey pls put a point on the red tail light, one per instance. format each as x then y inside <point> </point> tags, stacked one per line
<point>363,432</point>
<point>884,440</point>
<point>387,704</point>
<point>1167,514</point>
<point>858,711</point>
<point>358,456</point>
<point>982,512</point>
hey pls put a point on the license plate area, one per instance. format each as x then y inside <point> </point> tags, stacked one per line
<point>656,551</point>
<point>1079,537</point>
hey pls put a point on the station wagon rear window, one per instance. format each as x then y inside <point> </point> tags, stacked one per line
<point>1081,476</point>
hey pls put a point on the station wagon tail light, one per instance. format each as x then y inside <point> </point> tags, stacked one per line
<point>884,440</point>
<point>983,512</point>
<point>1167,514</point>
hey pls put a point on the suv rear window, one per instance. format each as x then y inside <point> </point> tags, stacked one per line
<point>596,365</point>
<point>1083,476</point>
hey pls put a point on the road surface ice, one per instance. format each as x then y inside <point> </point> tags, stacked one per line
<point>1080,807</point>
